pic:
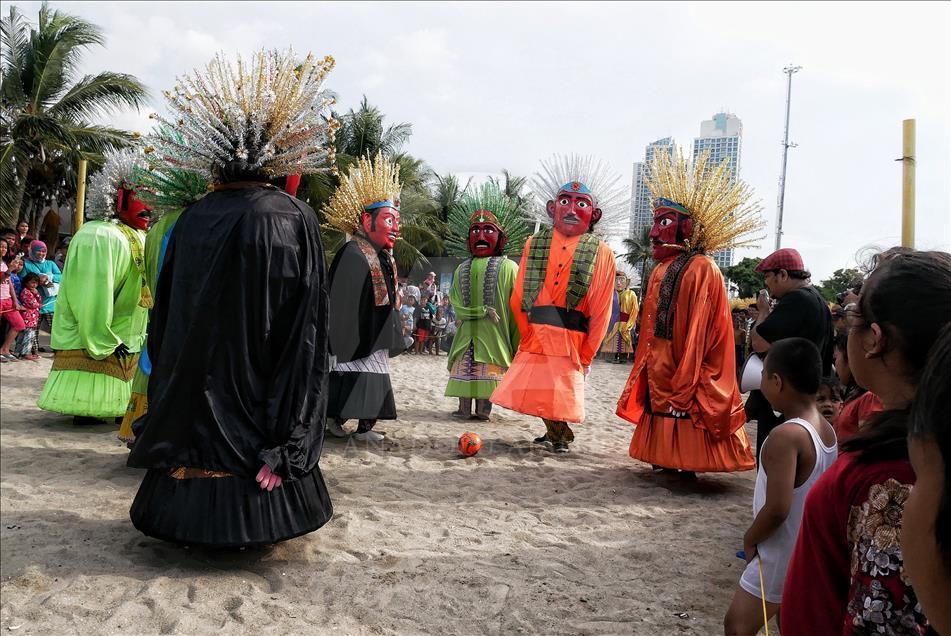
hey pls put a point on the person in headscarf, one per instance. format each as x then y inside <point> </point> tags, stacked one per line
<point>682,394</point>
<point>482,224</point>
<point>365,327</point>
<point>238,337</point>
<point>99,327</point>
<point>50,278</point>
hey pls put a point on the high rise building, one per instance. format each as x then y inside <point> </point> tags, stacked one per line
<point>723,137</point>
<point>642,215</point>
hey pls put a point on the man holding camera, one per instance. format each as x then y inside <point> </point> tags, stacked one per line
<point>799,311</point>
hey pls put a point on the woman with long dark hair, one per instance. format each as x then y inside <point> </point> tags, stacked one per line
<point>847,571</point>
<point>926,525</point>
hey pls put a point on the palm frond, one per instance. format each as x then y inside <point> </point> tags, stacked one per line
<point>60,46</point>
<point>99,94</point>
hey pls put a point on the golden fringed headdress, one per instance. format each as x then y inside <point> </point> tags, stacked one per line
<point>741,303</point>
<point>368,186</point>
<point>720,205</point>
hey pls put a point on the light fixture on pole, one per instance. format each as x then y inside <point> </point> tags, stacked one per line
<point>789,70</point>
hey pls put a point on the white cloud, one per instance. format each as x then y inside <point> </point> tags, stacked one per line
<point>500,85</point>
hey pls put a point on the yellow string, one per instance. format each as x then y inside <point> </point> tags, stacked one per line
<point>762,593</point>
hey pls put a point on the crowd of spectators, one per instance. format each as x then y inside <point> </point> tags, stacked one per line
<point>861,545</point>
<point>428,319</point>
<point>29,283</point>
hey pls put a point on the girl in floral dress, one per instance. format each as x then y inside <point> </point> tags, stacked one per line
<point>847,572</point>
<point>27,342</point>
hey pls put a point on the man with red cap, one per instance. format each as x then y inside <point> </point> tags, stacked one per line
<point>798,311</point>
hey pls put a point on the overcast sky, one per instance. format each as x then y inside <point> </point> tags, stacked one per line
<point>501,85</point>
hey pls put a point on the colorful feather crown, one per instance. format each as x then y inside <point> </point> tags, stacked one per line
<point>472,205</point>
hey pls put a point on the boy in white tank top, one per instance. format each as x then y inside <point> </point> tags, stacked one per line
<point>793,457</point>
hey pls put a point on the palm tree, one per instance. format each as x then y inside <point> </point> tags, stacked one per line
<point>362,133</point>
<point>46,111</point>
<point>446,193</point>
<point>513,187</point>
<point>638,255</point>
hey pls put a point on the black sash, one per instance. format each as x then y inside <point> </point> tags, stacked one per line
<point>571,319</point>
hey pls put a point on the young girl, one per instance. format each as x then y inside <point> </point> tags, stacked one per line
<point>794,456</point>
<point>26,343</point>
<point>847,571</point>
<point>9,307</point>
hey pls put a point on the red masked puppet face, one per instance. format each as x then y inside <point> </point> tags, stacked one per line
<point>573,212</point>
<point>670,231</point>
<point>382,226</point>
<point>133,212</point>
<point>485,239</point>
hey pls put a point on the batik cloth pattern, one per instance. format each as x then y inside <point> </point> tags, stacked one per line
<point>466,369</point>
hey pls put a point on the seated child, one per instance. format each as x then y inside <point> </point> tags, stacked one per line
<point>793,457</point>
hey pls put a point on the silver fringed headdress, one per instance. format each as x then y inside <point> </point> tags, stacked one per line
<point>605,186</point>
<point>270,116</point>
<point>117,172</point>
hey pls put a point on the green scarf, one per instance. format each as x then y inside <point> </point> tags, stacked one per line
<point>582,268</point>
<point>138,261</point>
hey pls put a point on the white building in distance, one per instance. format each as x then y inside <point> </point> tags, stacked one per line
<point>723,137</point>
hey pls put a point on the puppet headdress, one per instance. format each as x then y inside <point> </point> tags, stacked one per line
<point>490,204</point>
<point>720,205</point>
<point>162,185</point>
<point>268,115</point>
<point>586,175</point>
<point>117,172</point>
<point>368,185</point>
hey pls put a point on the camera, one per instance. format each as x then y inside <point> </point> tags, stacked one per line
<point>855,288</point>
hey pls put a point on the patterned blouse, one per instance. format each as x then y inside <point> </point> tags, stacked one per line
<point>846,575</point>
<point>30,299</point>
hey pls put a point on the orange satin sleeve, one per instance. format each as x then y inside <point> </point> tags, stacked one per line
<point>704,382</point>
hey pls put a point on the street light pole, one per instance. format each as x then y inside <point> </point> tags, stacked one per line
<point>789,70</point>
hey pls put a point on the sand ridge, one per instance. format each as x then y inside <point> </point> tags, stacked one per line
<point>513,540</point>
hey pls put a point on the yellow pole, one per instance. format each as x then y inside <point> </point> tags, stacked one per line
<point>908,184</point>
<point>80,197</point>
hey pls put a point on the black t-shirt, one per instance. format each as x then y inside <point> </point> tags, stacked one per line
<point>423,317</point>
<point>802,313</point>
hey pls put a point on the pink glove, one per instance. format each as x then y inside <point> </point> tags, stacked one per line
<point>268,480</point>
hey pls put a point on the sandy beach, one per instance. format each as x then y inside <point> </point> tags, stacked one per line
<point>514,540</point>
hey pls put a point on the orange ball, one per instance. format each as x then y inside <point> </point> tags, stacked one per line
<point>470,444</point>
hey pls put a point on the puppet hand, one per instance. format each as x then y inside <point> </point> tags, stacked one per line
<point>268,480</point>
<point>122,351</point>
<point>491,314</point>
<point>587,370</point>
